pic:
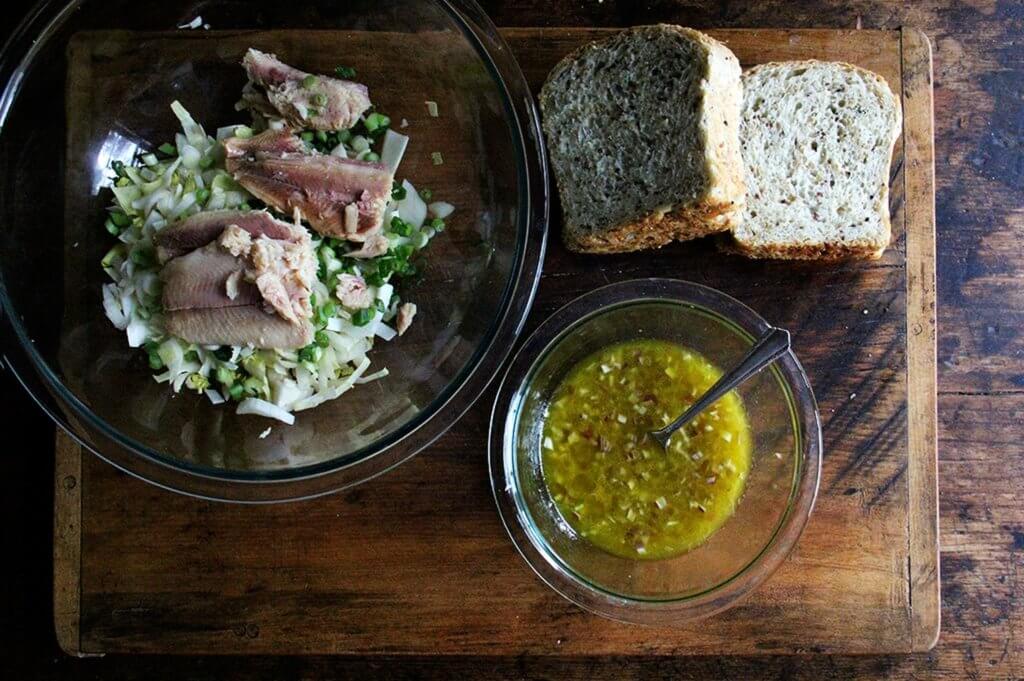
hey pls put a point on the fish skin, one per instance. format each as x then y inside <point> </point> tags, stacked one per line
<point>242,325</point>
<point>320,186</point>
<point>199,280</point>
<point>200,229</point>
<point>344,101</point>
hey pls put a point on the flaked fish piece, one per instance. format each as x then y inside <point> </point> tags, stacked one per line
<point>242,269</point>
<point>242,325</point>
<point>352,292</point>
<point>283,271</point>
<point>200,279</point>
<point>340,197</point>
<point>200,229</point>
<point>305,100</point>
<point>375,244</point>
<point>403,320</point>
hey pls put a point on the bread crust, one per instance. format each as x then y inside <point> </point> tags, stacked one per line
<point>720,206</point>
<point>828,252</point>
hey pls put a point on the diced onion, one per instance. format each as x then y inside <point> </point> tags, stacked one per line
<point>440,209</point>
<point>393,149</point>
<point>412,208</point>
<point>112,306</point>
<point>215,397</point>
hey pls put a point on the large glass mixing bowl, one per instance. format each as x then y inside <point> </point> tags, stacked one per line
<point>89,82</point>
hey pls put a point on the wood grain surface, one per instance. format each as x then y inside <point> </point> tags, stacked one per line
<point>978,76</point>
<point>416,562</point>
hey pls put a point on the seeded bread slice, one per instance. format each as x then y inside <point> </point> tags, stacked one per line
<point>642,132</point>
<point>817,139</point>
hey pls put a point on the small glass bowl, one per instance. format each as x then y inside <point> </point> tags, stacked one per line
<point>780,489</point>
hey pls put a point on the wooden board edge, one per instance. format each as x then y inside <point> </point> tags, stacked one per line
<point>67,544</point>
<point>922,400</point>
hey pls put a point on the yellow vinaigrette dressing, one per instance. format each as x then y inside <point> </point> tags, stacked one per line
<point>613,483</point>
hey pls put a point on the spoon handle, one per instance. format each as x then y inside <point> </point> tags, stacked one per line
<point>766,350</point>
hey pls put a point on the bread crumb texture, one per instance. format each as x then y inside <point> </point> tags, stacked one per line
<point>817,140</point>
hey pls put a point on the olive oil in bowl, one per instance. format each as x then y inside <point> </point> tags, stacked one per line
<point>614,484</point>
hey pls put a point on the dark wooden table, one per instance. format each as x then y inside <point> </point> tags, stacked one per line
<point>979,109</point>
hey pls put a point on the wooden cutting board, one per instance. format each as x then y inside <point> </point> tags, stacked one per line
<point>417,561</point>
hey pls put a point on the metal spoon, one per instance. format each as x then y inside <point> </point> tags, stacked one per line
<point>767,349</point>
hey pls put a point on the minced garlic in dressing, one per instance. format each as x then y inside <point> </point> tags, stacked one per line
<point>613,483</point>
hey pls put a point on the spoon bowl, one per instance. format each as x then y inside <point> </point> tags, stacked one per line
<point>772,344</point>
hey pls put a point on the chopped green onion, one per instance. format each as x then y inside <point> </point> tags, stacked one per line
<point>375,121</point>
<point>309,81</point>
<point>155,363</point>
<point>344,135</point>
<point>379,304</point>
<point>372,157</point>
<point>345,72</point>
<point>437,158</point>
<point>329,309</point>
<point>437,224</point>
<point>419,239</point>
<point>115,253</point>
<point>197,382</point>
<point>320,99</point>
<point>226,376</point>
<point>307,135</point>
<point>321,136</point>
<point>322,339</point>
<point>205,162</point>
<point>363,317</point>
<point>244,206</point>
<point>167,149</point>
<point>149,159</point>
<point>311,353</point>
<point>235,391</point>
<point>405,268</point>
<point>120,219</point>
<point>112,227</point>
<point>403,251</point>
<point>400,226</point>
<point>426,194</point>
<point>398,192</point>
<point>252,385</point>
<point>202,195</point>
<point>192,356</point>
<point>243,131</point>
<point>142,257</point>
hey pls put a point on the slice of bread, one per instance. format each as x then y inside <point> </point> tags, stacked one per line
<point>642,133</point>
<point>817,140</point>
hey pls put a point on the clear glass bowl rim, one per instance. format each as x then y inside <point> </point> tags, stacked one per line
<point>45,388</point>
<point>552,571</point>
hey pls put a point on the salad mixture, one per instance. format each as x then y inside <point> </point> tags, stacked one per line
<point>257,266</point>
